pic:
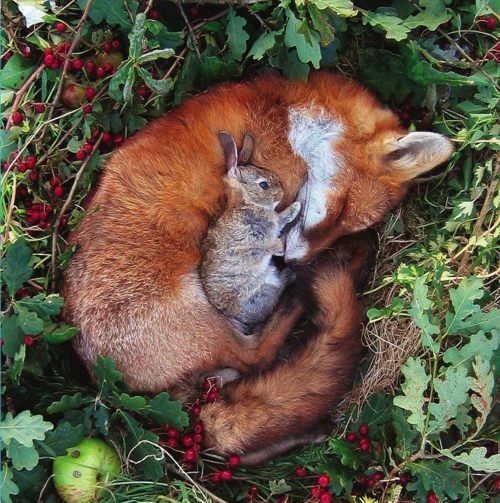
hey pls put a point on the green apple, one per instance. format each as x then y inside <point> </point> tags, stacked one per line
<point>85,470</point>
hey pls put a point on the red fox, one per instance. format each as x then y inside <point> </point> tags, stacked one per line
<point>133,285</point>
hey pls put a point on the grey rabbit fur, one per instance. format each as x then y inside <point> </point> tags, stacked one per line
<point>237,271</point>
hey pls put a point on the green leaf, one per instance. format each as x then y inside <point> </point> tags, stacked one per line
<point>343,8</point>
<point>107,375</point>
<point>58,333</point>
<point>136,36</point>
<point>237,36</point>
<point>348,456</point>
<point>111,11</point>
<point>476,459</point>
<point>462,299</point>
<point>427,19</point>
<point>28,321</point>
<point>392,25</point>
<point>213,68</point>
<point>479,344</point>
<point>15,72</point>
<point>12,336</point>
<point>419,311</point>
<point>453,393</point>
<point>24,428</point>
<point>69,402</point>
<point>483,385</point>
<point>437,476</point>
<point>186,77</point>
<point>407,436</point>
<point>16,266</point>
<point>22,457</point>
<point>17,366</point>
<point>63,436</point>
<point>263,44</point>
<point>154,55</point>
<point>101,417</point>
<point>307,45</point>
<point>120,85</point>
<point>159,86</point>
<point>9,487</point>
<point>163,410</point>
<point>414,387</point>
<point>133,403</point>
<point>42,304</point>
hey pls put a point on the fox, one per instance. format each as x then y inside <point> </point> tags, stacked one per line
<point>133,285</point>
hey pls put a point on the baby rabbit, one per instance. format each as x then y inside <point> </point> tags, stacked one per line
<point>237,271</point>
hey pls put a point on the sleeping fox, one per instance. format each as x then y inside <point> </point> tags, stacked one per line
<point>133,285</point>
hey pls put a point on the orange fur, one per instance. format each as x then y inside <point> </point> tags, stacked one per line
<point>133,285</point>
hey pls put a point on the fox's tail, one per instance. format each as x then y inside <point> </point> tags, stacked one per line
<point>268,413</point>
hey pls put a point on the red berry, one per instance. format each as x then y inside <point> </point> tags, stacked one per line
<point>90,67</point>
<point>118,139</point>
<point>80,155</point>
<point>39,108</point>
<point>89,93</point>
<point>44,224</point>
<point>153,14</point>
<point>58,191</point>
<point>116,44</point>
<point>497,484</point>
<point>315,492</point>
<point>106,47</point>
<point>6,166</point>
<point>17,117</point>
<point>252,492</point>
<point>196,410</point>
<point>216,478</point>
<point>172,443</point>
<point>173,433</point>
<point>187,440</point>
<point>108,68</point>
<point>364,444</point>
<point>351,436</point>
<point>404,479</point>
<point>64,221</point>
<point>26,51</point>
<point>370,482</point>
<point>22,167</point>
<point>487,23</point>
<point>55,182</point>
<point>61,27</point>
<point>190,455</point>
<point>323,480</point>
<point>226,475</point>
<point>363,429</point>
<point>87,148</point>
<point>300,471</point>
<point>198,428</point>
<point>5,57</point>
<point>77,64</point>
<point>432,498</point>
<point>29,340</point>
<point>34,176</point>
<point>31,161</point>
<point>100,72</point>
<point>87,109</point>
<point>198,438</point>
<point>234,460</point>
<point>55,65</point>
<point>326,498</point>
<point>378,475</point>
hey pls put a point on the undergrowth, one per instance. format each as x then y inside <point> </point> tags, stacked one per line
<point>79,77</point>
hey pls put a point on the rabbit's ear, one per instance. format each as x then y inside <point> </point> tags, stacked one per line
<point>246,149</point>
<point>230,150</point>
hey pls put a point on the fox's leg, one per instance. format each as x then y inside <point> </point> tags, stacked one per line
<point>258,414</point>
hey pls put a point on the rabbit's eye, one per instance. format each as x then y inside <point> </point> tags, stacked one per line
<point>263,185</point>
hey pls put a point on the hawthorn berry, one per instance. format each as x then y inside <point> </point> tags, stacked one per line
<point>107,46</point>
<point>216,478</point>
<point>226,475</point>
<point>26,51</point>
<point>31,161</point>
<point>43,224</point>
<point>118,139</point>
<point>188,440</point>
<point>90,67</point>
<point>29,340</point>
<point>198,428</point>
<point>363,429</point>
<point>234,460</point>
<point>190,455</point>
<point>377,476</point>
<point>404,479</point>
<point>252,492</point>
<point>173,433</point>
<point>80,155</point>
<point>87,109</point>
<point>326,498</point>
<point>87,148</point>
<point>432,498</point>
<point>153,14</point>
<point>196,410</point>
<point>58,191</point>
<point>17,117</point>
<point>323,480</point>
<point>22,167</point>
<point>198,438</point>
<point>300,471</point>
<point>172,443</point>
<point>34,176</point>
<point>315,492</point>
<point>99,71</point>
<point>364,444</point>
<point>61,27</point>
<point>351,436</point>
<point>64,221</point>
<point>486,23</point>
<point>6,166</point>
<point>39,108</point>
<point>108,68</point>
<point>89,92</point>
<point>77,64</point>
<point>116,44</point>
<point>55,182</point>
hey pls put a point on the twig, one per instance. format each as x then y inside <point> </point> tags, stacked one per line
<point>22,90</point>
<point>12,205</point>
<point>178,59</point>
<point>192,34</point>
<point>238,3</point>
<point>63,209</point>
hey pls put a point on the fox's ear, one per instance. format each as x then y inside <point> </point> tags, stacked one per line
<point>416,153</point>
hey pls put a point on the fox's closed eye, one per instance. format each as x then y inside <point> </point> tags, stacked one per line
<point>264,185</point>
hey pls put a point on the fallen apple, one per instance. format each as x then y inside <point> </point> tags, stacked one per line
<point>85,470</point>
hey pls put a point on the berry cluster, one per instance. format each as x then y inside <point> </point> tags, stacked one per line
<point>361,437</point>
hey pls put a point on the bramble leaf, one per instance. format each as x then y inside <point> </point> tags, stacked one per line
<point>414,387</point>
<point>158,86</point>
<point>462,298</point>
<point>453,394</point>
<point>164,410</point>
<point>24,428</point>
<point>16,266</point>
<point>17,366</point>
<point>406,435</point>
<point>419,311</point>
<point>237,36</point>
<point>112,11</point>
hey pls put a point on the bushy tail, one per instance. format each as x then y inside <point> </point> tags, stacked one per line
<point>263,413</point>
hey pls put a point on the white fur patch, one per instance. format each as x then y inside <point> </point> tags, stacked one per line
<point>311,137</point>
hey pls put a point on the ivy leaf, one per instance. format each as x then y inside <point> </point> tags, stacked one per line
<point>16,266</point>
<point>453,393</point>
<point>476,459</point>
<point>263,44</point>
<point>164,410</point>
<point>392,25</point>
<point>69,402</point>
<point>482,385</point>
<point>107,375</point>
<point>22,457</point>
<point>348,456</point>
<point>419,308</point>
<point>9,487</point>
<point>24,428</point>
<point>133,403</point>
<point>62,437</point>
<point>308,51</point>
<point>237,36</point>
<point>462,298</point>
<point>414,387</point>
<point>437,476</point>
<point>43,305</point>
<point>12,336</point>
<point>27,320</point>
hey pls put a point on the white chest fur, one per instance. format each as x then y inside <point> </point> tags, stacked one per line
<point>312,136</point>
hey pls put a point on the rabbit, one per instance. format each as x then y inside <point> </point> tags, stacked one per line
<point>238,272</point>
